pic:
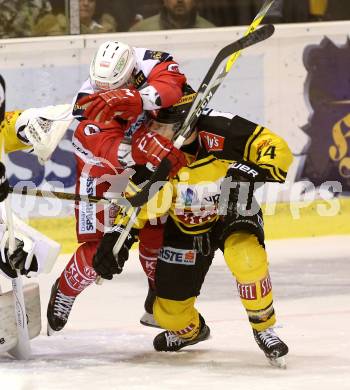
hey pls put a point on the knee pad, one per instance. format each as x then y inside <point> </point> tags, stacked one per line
<point>181,317</point>
<point>245,257</point>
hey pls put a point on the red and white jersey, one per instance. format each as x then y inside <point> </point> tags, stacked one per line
<point>156,76</point>
<point>96,148</point>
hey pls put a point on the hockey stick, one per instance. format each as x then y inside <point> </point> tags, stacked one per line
<point>58,195</point>
<point>134,201</point>
<point>2,107</point>
<point>211,82</point>
<point>22,349</point>
<point>205,94</point>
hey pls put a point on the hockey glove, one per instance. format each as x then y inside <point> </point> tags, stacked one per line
<point>4,184</point>
<point>16,261</point>
<point>148,146</point>
<point>104,106</point>
<point>237,189</point>
<point>105,262</point>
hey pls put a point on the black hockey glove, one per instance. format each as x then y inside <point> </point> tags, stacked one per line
<point>105,263</point>
<point>16,261</point>
<point>237,190</point>
<point>4,184</point>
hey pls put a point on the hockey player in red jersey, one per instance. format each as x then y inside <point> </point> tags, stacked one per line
<point>126,82</point>
<point>96,154</point>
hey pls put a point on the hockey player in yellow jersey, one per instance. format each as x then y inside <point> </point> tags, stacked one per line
<point>211,206</point>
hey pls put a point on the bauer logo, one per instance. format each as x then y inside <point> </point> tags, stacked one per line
<point>178,256</point>
<point>212,142</point>
<point>327,93</point>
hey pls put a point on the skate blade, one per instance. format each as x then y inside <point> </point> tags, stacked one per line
<point>278,362</point>
<point>148,320</point>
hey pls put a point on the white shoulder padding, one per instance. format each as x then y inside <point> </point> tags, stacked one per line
<point>45,127</point>
<point>8,328</point>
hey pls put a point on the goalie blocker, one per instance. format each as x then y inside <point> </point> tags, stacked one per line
<point>41,252</point>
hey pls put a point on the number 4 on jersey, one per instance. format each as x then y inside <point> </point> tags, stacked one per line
<point>270,151</point>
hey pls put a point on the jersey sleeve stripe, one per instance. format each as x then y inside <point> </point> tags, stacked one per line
<point>258,130</point>
<point>275,172</point>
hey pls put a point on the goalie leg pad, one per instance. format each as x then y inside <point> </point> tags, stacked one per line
<point>8,328</point>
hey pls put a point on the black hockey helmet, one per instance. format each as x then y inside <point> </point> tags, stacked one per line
<point>177,113</point>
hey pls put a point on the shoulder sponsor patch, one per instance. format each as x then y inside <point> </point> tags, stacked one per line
<point>77,109</point>
<point>156,55</point>
<point>139,79</point>
<point>178,256</point>
<point>212,142</point>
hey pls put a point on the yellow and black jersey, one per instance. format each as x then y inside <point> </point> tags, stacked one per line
<point>192,196</point>
<point>8,136</point>
<point>234,138</point>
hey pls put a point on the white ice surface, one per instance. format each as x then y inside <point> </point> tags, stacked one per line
<point>104,347</point>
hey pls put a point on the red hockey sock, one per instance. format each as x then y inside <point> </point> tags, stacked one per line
<point>79,273</point>
<point>151,239</point>
<point>148,259</point>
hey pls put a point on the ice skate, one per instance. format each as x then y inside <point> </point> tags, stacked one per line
<point>58,310</point>
<point>147,318</point>
<point>169,342</point>
<point>273,347</point>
